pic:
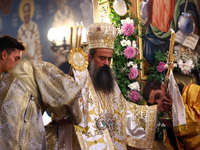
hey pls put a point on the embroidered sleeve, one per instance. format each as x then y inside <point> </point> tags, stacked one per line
<point>59,92</point>
<point>141,125</point>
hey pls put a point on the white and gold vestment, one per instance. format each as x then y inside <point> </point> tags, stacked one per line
<point>129,123</point>
<point>26,92</point>
<point>109,122</point>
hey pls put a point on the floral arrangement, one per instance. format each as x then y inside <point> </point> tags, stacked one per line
<point>186,61</point>
<point>125,62</point>
<point>157,70</point>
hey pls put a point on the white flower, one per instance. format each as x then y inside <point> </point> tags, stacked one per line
<point>134,44</point>
<point>128,43</point>
<point>134,66</point>
<point>123,43</point>
<point>180,62</point>
<point>134,86</point>
<point>127,20</point>
<point>130,64</point>
<point>186,67</point>
<point>123,21</point>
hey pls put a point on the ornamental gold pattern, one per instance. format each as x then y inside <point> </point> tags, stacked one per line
<point>78,59</point>
<point>135,125</point>
<point>101,35</point>
<point>150,132</point>
<point>16,91</point>
<point>119,109</point>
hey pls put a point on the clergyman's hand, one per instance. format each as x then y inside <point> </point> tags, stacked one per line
<point>165,103</point>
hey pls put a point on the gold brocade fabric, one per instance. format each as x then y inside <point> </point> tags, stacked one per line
<point>134,126</point>
<point>101,35</point>
<point>51,137</point>
<point>190,135</point>
<point>27,91</point>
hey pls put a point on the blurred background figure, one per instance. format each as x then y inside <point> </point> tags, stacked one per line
<point>28,32</point>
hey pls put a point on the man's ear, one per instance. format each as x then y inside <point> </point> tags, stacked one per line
<point>3,55</point>
<point>90,57</point>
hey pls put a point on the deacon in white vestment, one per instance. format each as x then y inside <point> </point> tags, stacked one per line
<point>26,92</point>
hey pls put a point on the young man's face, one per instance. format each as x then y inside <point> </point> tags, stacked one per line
<point>102,57</point>
<point>10,61</point>
<point>156,95</point>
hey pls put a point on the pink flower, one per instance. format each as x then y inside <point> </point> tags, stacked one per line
<point>127,29</point>
<point>134,96</point>
<point>160,66</point>
<point>129,52</point>
<point>133,74</point>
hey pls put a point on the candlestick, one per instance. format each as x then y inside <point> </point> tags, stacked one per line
<point>172,42</point>
<point>170,68</point>
<point>84,37</point>
<point>71,37</point>
<point>170,57</point>
<point>77,27</point>
<point>80,35</point>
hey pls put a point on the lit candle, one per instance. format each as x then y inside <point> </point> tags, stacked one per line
<point>80,34</point>
<point>84,37</point>
<point>171,57</point>
<point>71,37</point>
<point>77,28</point>
<point>171,48</point>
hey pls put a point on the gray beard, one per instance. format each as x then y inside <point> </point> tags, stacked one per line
<point>102,78</point>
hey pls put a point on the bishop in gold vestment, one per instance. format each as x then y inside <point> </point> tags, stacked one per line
<point>26,92</point>
<point>127,123</point>
<point>109,122</point>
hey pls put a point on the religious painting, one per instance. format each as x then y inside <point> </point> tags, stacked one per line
<point>159,18</point>
<point>28,32</point>
<point>64,14</point>
<point>30,21</point>
<point>68,14</point>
